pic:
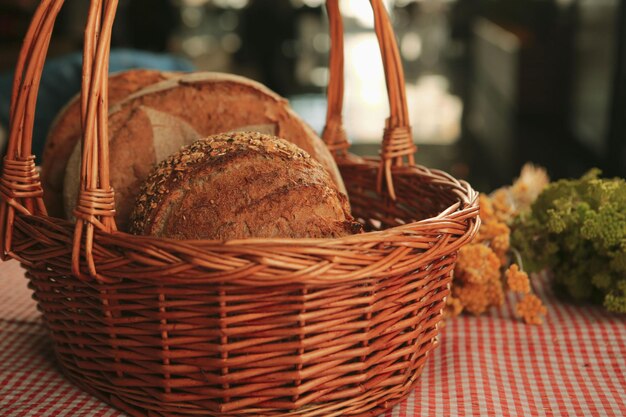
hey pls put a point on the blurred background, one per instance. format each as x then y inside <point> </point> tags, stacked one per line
<point>491,84</point>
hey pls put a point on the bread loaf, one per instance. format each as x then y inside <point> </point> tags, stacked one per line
<point>152,124</point>
<point>66,129</point>
<point>241,185</point>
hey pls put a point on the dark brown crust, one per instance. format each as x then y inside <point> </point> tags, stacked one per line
<point>65,132</point>
<point>238,185</point>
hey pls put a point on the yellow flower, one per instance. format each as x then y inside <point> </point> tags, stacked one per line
<point>486,212</point>
<point>528,186</point>
<point>495,292</point>
<point>517,280</point>
<point>500,246</point>
<point>478,281</point>
<point>503,205</point>
<point>476,264</point>
<point>473,297</point>
<point>488,231</point>
<point>530,308</point>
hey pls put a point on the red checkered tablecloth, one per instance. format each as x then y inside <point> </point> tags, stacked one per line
<point>574,365</point>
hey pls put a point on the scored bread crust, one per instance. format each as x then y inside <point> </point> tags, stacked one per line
<point>65,131</point>
<point>240,185</point>
<point>205,102</point>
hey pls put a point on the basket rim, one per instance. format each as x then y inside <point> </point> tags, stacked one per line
<point>260,262</point>
<point>436,176</point>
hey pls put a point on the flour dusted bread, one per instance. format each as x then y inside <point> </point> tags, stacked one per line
<point>66,129</point>
<point>155,122</point>
<point>241,185</point>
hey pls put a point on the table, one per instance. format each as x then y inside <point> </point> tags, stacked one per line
<point>573,365</point>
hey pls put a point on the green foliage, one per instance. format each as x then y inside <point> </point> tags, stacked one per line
<point>577,229</point>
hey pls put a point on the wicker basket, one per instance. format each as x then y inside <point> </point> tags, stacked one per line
<point>308,327</point>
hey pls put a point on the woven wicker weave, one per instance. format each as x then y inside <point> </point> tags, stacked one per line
<point>317,327</point>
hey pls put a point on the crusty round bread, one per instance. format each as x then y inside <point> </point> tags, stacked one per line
<point>241,185</point>
<point>66,129</point>
<point>155,122</point>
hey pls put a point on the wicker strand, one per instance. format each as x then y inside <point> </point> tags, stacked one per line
<point>95,207</point>
<point>334,134</point>
<point>18,183</point>
<point>335,137</point>
<point>34,31</point>
<point>164,338</point>
<point>20,180</point>
<point>93,204</point>
<point>26,82</point>
<point>397,144</point>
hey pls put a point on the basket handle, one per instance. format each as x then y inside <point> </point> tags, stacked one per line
<point>96,201</point>
<point>397,137</point>
<point>20,186</point>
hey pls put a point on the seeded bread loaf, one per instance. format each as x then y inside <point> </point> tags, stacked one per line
<point>66,129</point>
<point>152,124</point>
<point>240,185</point>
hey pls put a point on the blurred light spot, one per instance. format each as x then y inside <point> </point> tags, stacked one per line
<point>435,114</point>
<point>402,19</point>
<point>238,4</point>
<point>228,21</point>
<point>361,11</point>
<point>231,4</point>
<point>321,42</point>
<point>197,45</point>
<point>365,94</point>
<point>411,46</point>
<point>313,3</point>
<point>195,2</point>
<point>319,76</point>
<point>363,56</point>
<point>231,43</point>
<point>192,16</point>
<point>495,34</point>
<point>311,108</point>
